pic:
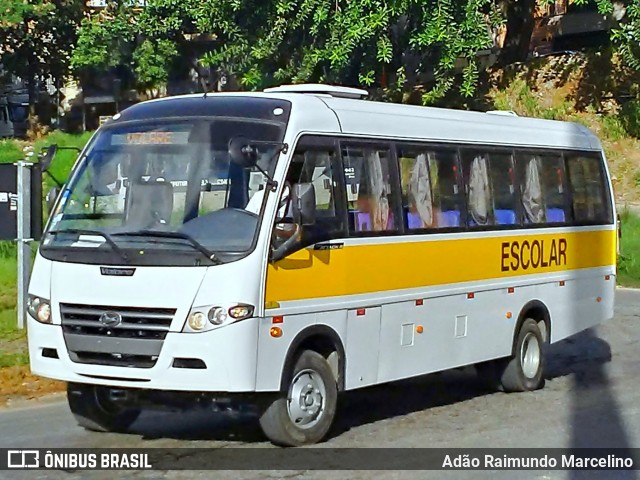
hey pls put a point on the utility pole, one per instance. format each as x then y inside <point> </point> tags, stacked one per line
<point>24,237</point>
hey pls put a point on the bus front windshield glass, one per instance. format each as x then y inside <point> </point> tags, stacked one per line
<point>167,188</point>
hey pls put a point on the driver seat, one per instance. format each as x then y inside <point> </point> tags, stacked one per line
<point>150,202</point>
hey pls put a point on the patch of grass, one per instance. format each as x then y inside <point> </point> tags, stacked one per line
<point>13,359</point>
<point>10,151</point>
<point>629,261</point>
<point>7,277</point>
<point>8,329</point>
<point>613,128</point>
<point>64,159</point>
<point>630,117</point>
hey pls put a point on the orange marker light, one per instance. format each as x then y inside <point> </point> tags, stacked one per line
<point>471,295</point>
<point>607,277</point>
<point>419,329</point>
<point>509,315</point>
<point>511,290</point>
<point>599,299</point>
<point>277,319</point>
<point>275,332</point>
<point>562,283</point>
<point>419,302</point>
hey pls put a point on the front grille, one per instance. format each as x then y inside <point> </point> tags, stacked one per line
<point>133,340</point>
<point>114,359</point>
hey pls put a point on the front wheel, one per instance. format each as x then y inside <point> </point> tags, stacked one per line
<point>94,409</point>
<point>305,413</point>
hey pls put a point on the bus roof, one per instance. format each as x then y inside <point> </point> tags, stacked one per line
<point>326,113</point>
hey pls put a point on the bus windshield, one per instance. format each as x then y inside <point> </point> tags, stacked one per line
<point>167,187</point>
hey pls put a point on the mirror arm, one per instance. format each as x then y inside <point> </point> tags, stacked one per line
<point>271,183</point>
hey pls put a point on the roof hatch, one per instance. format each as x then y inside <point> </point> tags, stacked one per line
<point>320,89</point>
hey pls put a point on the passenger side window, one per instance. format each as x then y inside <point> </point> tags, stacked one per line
<point>370,189</point>
<point>587,189</point>
<point>553,181</point>
<point>475,168</point>
<point>503,185</point>
<point>531,187</point>
<point>317,166</point>
<point>431,198</point>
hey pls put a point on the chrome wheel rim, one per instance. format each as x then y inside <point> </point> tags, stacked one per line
<point>306,399</point>
<point>530,355</point>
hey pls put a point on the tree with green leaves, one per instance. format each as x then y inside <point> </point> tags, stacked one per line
<point>37,38</point>
<point>410,50</point>
<point>627,34</point>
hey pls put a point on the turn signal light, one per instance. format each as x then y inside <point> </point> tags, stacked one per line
<point>240,312</point>
<point>275,332</point>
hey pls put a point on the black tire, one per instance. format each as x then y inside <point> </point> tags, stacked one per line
<point>277,420</point>
<point>524,371</point>
<point>94,411</point>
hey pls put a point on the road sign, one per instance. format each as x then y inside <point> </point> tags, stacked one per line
<point>8,201</point>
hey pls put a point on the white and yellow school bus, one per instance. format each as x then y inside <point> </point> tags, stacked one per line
<point>283,247</point>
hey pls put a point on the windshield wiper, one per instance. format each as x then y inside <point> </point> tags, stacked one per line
<point>213,256</point>
<point>106,236</point>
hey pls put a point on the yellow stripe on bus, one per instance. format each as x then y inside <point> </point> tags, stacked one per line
<point>394,266</point>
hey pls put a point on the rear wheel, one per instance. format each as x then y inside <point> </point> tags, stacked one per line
<point>94,409</point>
<point>524,370</point>
<point>304,414</point>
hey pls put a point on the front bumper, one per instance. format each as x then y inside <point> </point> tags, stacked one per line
<point>229,354</point>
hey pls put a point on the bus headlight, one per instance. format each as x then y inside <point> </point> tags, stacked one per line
<point>199,321</point>
<point>39,309</point>
<point>217,315</point>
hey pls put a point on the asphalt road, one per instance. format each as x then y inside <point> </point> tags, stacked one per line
<point>591,399</point>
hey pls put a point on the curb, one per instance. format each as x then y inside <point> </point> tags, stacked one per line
<point>629,289</point>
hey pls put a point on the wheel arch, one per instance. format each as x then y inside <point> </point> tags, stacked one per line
<point>538,311</point>
<point>321,339</point>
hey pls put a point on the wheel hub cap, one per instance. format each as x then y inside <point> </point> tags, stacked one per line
<point>306,399</point>
<point>530,355</point>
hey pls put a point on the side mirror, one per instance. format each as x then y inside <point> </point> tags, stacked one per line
<point>304,203</point>
<point>51,197</point>
<point>242,153</point>
<point>48,156</point>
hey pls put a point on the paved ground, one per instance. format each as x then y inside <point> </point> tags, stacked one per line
<point>591,399</point>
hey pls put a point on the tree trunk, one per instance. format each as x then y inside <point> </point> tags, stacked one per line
<point>32,68</point>
<point>520,25</point>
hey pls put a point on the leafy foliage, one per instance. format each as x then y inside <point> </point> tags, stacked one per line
<point>627,35</point>
<point>403,47</point>
<point>37,36</point>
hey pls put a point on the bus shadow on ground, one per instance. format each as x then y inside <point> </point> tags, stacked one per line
<point>583,356</point>
<point>578,356</point>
